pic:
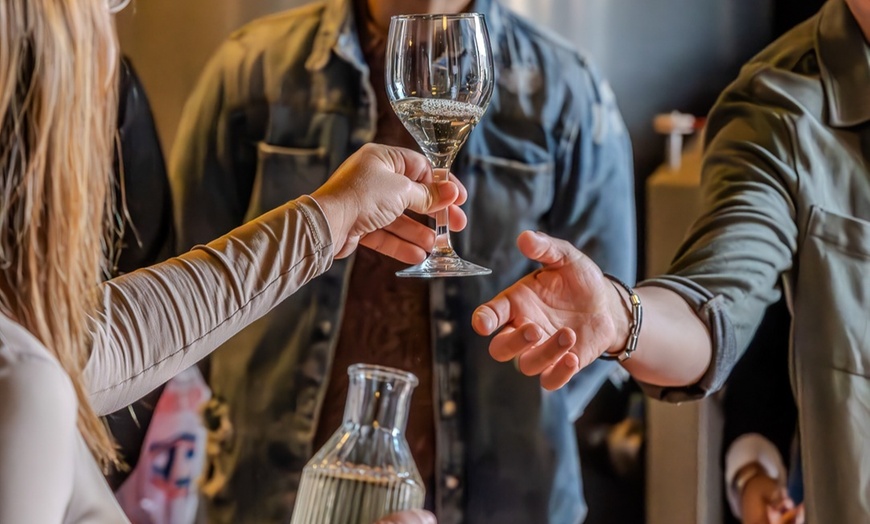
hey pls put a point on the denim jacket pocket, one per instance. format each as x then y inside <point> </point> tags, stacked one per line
<point>506,197</point>
<point>529,185</point>
<point>285,173</point>
<point>832,319</point>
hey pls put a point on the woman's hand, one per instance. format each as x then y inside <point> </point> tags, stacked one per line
<point>557,319</point>
<point>365,200</point>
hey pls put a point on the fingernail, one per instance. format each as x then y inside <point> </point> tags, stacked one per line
<point>483,320</point>
<point>565,340</point>
<point>532,334</point>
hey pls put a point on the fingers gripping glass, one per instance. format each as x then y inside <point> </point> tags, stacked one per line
<point>439,81</point>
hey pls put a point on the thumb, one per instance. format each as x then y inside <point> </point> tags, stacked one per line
<point>428,198</point>
<point>492,315</point>
<point>546,249</point>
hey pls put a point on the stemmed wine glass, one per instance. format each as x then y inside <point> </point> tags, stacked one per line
<point>439,81</point>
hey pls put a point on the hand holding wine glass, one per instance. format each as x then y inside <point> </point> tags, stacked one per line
<point>439,77</point>
<point>367,195</point>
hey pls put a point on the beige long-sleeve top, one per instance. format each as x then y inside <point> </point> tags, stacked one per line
<point>157,322</point>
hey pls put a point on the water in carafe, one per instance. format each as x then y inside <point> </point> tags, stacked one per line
<point>365,470</point>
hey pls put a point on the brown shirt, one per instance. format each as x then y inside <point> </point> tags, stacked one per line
<point>386,318</point>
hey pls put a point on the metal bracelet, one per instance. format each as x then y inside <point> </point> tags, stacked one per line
<point>636,321</point>
<point>745,474</point>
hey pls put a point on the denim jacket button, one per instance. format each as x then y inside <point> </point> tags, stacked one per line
<point>445,328</point>
<point>307,401</point>
<point>448,409</point>
<point>451,482</point>
<point>324,327</point>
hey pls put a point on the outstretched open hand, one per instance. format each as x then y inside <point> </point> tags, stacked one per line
<point>555,320</point>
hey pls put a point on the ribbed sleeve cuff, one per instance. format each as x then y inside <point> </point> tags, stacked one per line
<point>709,309</point>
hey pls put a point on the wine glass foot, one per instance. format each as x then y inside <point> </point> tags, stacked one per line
<point>439,265</point>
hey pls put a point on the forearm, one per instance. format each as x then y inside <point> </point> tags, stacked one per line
<point>161,320</point>
<point>674,346</point>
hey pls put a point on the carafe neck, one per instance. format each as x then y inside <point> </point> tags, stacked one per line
<point>379,397</point>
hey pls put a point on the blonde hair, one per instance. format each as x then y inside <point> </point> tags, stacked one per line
<point>58,104</point>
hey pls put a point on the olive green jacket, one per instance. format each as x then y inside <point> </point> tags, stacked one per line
<point>787,194</point>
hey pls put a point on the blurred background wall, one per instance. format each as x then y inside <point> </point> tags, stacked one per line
<point>659,55</point>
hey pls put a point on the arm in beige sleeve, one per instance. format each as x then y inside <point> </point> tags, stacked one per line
<point>160,320</point>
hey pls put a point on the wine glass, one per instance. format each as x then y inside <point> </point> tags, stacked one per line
<point>439,81</point>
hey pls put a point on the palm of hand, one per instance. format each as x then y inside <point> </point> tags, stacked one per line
<point>568,296</point>
<point>551,298</point>
<point>557,319</point>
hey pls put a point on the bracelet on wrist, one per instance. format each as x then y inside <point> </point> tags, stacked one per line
<point>746,474</point>
<point>634,327</point>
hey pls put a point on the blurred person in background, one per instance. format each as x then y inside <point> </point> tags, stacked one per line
<point>297,93</point>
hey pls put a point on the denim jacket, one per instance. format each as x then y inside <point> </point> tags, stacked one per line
<point>284,101</point>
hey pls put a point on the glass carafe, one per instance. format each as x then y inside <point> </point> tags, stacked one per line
<point>365,470</point>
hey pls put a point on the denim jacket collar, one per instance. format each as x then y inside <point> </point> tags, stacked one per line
<point>844,61</point>
<point>338,33</point>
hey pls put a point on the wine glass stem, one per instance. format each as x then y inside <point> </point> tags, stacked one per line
<point>442,220</point>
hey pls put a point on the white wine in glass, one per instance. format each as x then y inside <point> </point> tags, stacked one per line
<point>439,81</point>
